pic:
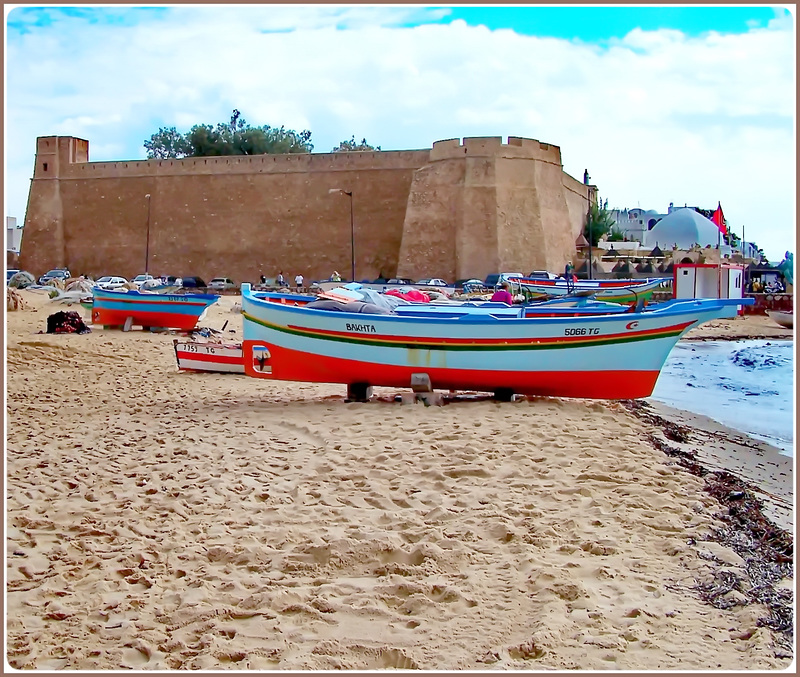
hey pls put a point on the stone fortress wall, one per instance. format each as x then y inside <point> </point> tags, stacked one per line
<point>455,210</point>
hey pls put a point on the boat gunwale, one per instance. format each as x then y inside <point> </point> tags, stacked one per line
<point>674,307</point>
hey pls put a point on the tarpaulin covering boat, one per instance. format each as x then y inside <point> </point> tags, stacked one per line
<point>611,356</point>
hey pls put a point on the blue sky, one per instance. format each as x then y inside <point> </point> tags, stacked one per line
<point>692,105</point>
<point>596,24</point>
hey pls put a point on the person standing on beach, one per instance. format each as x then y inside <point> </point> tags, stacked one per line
<point>569,277</point>
<point>502,295</point>
<point>280,280</point>
<point>298,281</point>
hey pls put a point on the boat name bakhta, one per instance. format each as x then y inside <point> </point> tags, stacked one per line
<point>369,328</point>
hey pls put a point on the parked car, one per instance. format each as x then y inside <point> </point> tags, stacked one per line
<point>542,275</point>
<point>111,282</point>
<point>400,280</point>
<point>494,279</point>
<point>139,280</point>
<point>467,285</point>
<point>171,280</point>
<point>433,282</point>
<point>221,283</point>
<point>60,274</point>
<point>192,281</point>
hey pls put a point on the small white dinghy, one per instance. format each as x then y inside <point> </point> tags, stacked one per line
<point>782,318</point>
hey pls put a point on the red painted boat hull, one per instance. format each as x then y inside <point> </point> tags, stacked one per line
<point>293,365</point>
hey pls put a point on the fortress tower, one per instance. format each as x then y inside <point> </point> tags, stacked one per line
<point>483,206</point>
<point>455,210</point>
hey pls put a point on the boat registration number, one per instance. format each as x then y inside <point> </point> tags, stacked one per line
<point>191,348</point>
<point>581,331</point>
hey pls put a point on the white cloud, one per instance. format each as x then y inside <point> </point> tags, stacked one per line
<point>655,117</point>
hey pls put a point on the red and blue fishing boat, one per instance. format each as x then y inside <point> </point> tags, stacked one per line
<point>172,311</point>
<point>608,356</point>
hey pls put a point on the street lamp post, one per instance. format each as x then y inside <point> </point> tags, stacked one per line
<point>147,242</point>
<point>349,193</point>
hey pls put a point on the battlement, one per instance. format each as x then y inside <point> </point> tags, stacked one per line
<point>68,157</point>
<point>489,146</point>
<point>53,153</point>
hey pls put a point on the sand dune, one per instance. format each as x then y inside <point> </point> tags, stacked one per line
<point>165,520</point>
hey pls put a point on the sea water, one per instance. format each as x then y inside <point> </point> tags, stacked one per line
<point>745,385</point>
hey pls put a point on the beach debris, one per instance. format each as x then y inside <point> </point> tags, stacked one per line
<point>66,322</point>
<point>207,334</point>
<point>767,551</point>
<point>14,300</point>
<point>78,284</point>
<point>68,297</point>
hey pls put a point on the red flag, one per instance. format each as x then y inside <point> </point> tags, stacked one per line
<point>719,219</point>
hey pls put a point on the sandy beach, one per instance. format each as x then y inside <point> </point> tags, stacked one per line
<point>164,520</point>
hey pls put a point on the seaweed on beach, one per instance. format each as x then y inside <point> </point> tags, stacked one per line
<point>767,551</point>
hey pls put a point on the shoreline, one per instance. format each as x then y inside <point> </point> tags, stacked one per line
<point>720,448</point>
<point>165,520</point>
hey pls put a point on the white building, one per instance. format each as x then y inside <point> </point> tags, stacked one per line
<point>684,228</point>
<point>13,235</point>
<point>682,231</point>
<point>634,223</point>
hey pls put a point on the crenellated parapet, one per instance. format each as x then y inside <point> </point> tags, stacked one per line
<point>493,146</point>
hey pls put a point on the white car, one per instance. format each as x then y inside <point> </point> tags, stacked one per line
<point>221,283</point>
<point>111,282</point>
<point>433,282</point>
<point>139,280</point>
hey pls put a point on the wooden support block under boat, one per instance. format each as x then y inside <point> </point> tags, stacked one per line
<point>358,392</point>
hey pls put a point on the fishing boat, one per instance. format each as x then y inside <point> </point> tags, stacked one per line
<point>215,357</point>
<point>228,357</point>
<point>609,356</point>
<point>556,307</point>
<point>615,291</point>
<point>112,308</point>
<point>782,317</point>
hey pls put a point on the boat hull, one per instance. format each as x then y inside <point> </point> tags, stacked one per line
<point>172,311</point>
<point>213,357</point>
<point>786,320</point>
<point>296,365</point>
<point>611,356</point>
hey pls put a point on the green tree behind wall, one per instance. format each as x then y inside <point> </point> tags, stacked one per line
<point>352,144</point>
<point>232,138</point>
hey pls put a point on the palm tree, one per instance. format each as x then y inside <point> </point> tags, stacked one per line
<point>598,222</point>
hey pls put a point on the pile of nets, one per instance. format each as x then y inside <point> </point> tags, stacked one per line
<point>14,300</point>
<point>66,322</point>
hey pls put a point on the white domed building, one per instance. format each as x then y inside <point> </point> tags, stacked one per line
<point>685,228</point>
